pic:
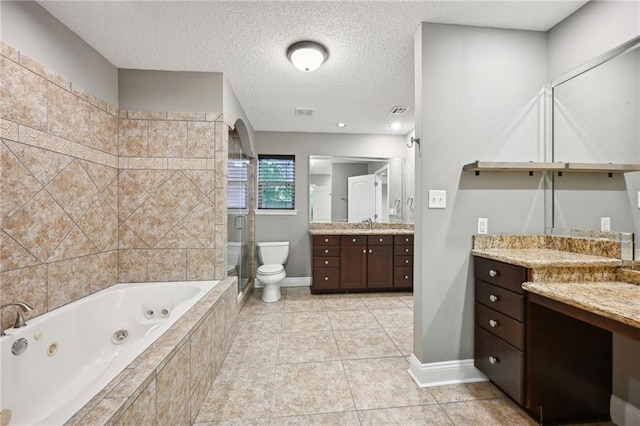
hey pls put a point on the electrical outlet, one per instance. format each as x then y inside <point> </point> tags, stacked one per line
<point>483,225</point>
<point>605,224</point>
<point>437,199</point>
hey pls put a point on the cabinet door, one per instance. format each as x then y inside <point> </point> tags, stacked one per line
<point>353,267</point>
<point>380,266</point>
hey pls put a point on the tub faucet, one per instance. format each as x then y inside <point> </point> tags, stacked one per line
<point>20,322</point>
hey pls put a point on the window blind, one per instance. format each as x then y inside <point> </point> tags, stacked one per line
<point>276,182</point>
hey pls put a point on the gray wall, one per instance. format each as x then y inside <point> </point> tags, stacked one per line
<point>477,98</point>
<point>29,28</point>
<point>143,90</point>
<point>295,229</point>
<point>599,27</point>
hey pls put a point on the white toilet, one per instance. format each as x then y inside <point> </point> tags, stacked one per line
<point>273,256</point>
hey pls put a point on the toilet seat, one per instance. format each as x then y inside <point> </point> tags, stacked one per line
<point>270,269</point>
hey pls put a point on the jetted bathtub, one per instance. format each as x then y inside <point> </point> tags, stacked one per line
<point>74,351</point>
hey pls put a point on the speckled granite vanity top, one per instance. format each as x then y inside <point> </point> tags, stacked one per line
<point>618,301</point>
<point>541,257</point>
<point>360,229</point>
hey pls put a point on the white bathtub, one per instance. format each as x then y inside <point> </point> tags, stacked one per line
<point>72,352</point>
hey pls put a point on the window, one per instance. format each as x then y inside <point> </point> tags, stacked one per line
<point>237,183</point>
<point>276,182</point>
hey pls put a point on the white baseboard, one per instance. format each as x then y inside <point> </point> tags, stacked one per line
<point>290,282</point>
<point>623,413</point>
<point>444,373</point>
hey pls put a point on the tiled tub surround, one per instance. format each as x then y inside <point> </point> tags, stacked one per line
<point>92,196</point>
<point>168,382</point>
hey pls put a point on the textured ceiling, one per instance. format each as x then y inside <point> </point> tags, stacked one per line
<point>370,68</point>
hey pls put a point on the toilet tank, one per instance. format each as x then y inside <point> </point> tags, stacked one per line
<point>274,252</point>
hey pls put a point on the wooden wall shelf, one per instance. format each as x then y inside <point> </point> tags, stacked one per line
<point>541,166</point>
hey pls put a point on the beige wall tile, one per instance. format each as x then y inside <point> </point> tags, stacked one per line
<point>13,255</point>
<point>9,52</point>
<point>8,129</point>
<point>27,285</point>
<point>40,226</point>
<point>147,115</point>
<point>167,139</point>
<point>200,224</point>
<point>200,264</point>
<point>178,195</point>
<point>172,386</point>
<point>167,265</point>
<point>133,266</point>
<point>17,184</point>
<point>68,280</point>
<point>133,138</point>
<point>186,116</point>
<point>103,130</point>
<point>75,244</point>
<point>151,222</point>
<point>23,95</point>
<point>74,190</point>
<point>143,410</point>
<point>201,139</point>
<point>69,116</point>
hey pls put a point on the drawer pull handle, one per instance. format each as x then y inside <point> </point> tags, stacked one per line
<point>406,250</point>
<point>326,278</point>
<point>326,251</point>
<point>406,261</point>
<point>406,277</point>
<point>493,360</point>
<point>364,250</point>
<point>492,273</point>
<point>354,240</point>
<point>406,240</point>
<point>493,298</point>
<point>326,240</point>
<point>326,262</point>
<point>380,239</point>
<point>370,251</point>
<point>493,323</point>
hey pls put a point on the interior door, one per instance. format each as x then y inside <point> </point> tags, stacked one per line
<point>321,204</point>
<point>364,198</point>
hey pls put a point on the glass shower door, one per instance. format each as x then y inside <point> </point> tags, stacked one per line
<point>238,226</point>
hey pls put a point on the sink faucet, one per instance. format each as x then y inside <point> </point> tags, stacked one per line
<point>369,221</point>
<point>20,322</point>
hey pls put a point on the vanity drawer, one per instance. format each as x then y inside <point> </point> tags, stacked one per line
<point>501,300</point>
<point>403,276</point>
<point>403,261</point>
<point>501,325</point>
<point>380,240</point>
<point>403,239</point>
<point>353,240</point>
<point>402,250</point>
<point>324,251</point>
<point>326,262</point>
<point>326,278</point>
<point>501,274</point>
<point>500,362</point>
<point>326,240</point>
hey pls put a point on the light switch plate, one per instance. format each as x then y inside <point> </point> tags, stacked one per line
<point>437,199</point>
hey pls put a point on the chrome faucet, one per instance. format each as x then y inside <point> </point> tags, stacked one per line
<point>20,322</point>
<point>369,221</point>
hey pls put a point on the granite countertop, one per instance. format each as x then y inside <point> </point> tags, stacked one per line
<point>360,231</point>
<point>618,301</point>
<point>532,258</point>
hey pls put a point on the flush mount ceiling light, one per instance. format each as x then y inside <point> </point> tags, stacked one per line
<point>396,125</point>
<point>307,55</point>
<point>341,125</point>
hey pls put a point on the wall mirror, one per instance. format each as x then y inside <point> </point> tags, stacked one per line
<point>596,121</point>
<point>353,189</point>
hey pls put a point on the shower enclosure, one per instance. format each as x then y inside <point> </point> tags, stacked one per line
<point>240,222</point>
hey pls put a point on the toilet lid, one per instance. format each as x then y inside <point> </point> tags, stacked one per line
<point>270,269</point>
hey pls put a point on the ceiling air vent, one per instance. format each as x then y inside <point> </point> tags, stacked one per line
<point>398,110</point>
<point>304,112</point>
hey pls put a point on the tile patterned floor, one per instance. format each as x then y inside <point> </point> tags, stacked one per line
<point>338,360</point>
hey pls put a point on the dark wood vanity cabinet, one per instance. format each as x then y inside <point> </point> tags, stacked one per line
<point>499,325</point>
<point>362,263</point>
<point>557,367</point>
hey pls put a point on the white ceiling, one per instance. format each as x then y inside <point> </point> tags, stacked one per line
<point>370,68</point>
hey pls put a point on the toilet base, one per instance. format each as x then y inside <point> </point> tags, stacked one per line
<point>271,293</point>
